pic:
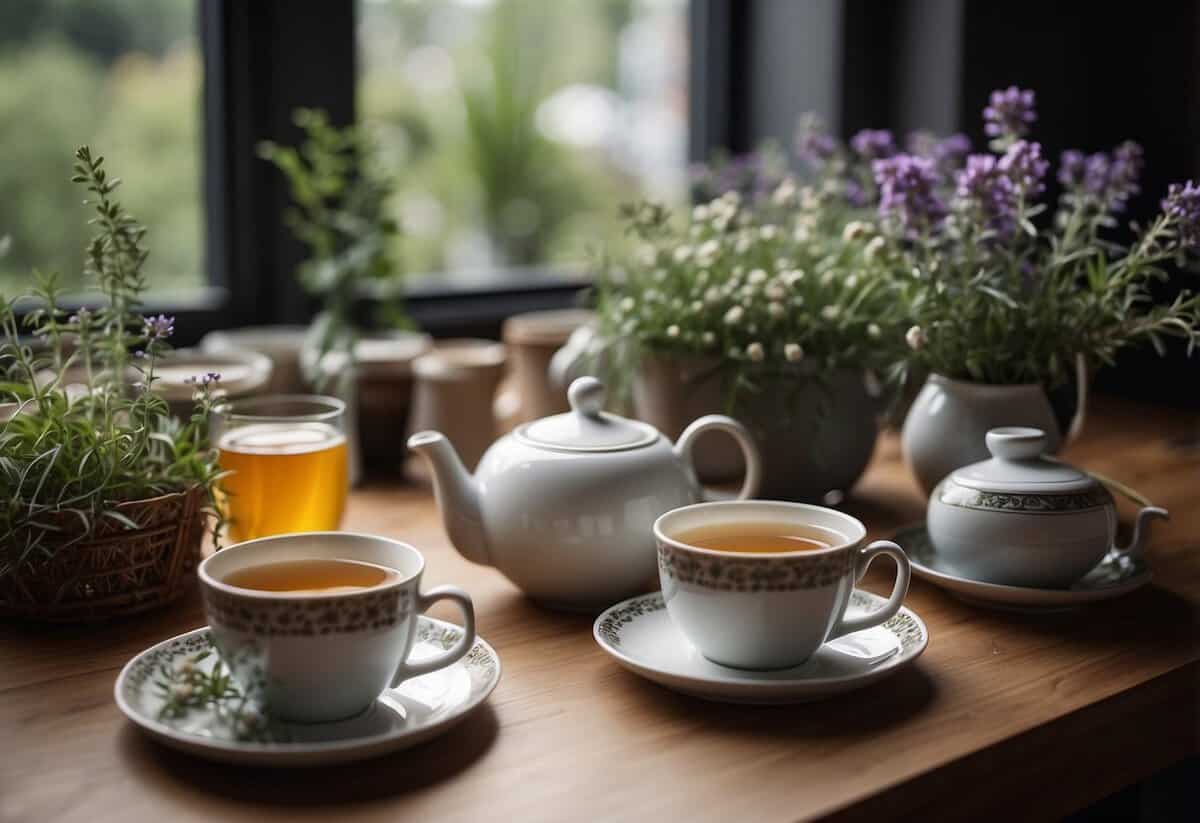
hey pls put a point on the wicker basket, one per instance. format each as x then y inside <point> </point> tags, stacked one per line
<point>118,571</point>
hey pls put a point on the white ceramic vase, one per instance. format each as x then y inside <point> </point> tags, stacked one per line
<point>947,425</point>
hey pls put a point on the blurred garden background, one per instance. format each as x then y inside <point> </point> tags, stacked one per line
<point>515,127</point>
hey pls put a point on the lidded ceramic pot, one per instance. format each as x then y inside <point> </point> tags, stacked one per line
<point>1020,519</point>
<point>564,506</point>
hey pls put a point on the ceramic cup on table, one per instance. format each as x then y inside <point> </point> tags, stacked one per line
<point>768,610</point>
<point>325,656</point>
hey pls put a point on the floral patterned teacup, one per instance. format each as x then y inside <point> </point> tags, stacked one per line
<point>315,657</point>
<point>773,610</point>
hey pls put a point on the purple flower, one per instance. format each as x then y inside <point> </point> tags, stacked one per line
<point>158,328</point>
<point>815,148</point>
<point>873,144</point>
<point>1106,182</point>
<point>1025,166</point>
<point>1182,206</point>
<point>1071,168</point>
<point>986,187</point>
<point>1124,174</point>
<point>204,381</point>
<point>908,191</point>
<point>1009,113</point>
<point>948,153</point>
<point>856,196</point>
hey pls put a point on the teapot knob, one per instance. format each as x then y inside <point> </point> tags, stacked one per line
<point>1016,442</point>
<point>586,396</point>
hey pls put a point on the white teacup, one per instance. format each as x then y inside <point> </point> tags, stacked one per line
<point>318,657</point>
<point>768,611</point>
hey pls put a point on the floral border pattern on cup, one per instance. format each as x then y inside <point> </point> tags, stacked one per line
<point>308,617</point>
<point>953,494</point>
<point>754,573</point>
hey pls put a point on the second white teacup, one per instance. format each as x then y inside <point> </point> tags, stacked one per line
<point>323,655</point>
<point>768,610</point>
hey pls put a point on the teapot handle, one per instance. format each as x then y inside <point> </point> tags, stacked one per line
<point>683,448</point>
<point>1081,398</point>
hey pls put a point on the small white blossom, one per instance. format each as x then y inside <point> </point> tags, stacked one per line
<point>185,666</point>
<point>775,290</point>
<point>915,338</point>
<point>627,304</point>
<point>708,338</point>
<point>682,254</point>
<point>732,198</point>
<point>697,306</point>
<point>720,223</point>
<point>652,295</point>
<point>660,275</point>
<point>672,330</point>
<point>856,229</point>
<point>181,691</point>
<point>831,312</point>
<point>712,294</point>
<point>873,331</point>
<point>768,232</point>
<point>793,277</point>
<point>742,245</point>
<point>755,352</point>
<point>702,277</point>
<point>756,277</point>
<point>707,253</point>
<point>801,234</point>
<point>647,255</point>
<point>734,315</point>
<point>775,309</point>
<point>874,246</point>
<point>852,281</point>
<point>785,192</point>
<point>782,264</point>
<point>793,352</point>
<point>700,213</point>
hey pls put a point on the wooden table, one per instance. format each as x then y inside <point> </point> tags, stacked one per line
<point>1020,716</point>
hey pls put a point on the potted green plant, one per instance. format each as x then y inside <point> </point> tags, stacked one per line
<point>1009,301</point>
<point>340,210</point>
<point>106,494</point>
<point>763,303</point>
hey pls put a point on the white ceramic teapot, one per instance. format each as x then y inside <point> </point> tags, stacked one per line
<point>1020,519</point>
<point>564,506</point>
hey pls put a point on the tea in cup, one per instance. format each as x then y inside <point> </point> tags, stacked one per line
<point>757,584</point>
<point>319,624</point>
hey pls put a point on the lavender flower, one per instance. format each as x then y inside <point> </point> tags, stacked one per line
<point>1071,165</point>
<point>873,144</point>
<point>948,153</point>
<point>205,381</point>
<point>158,328</point>
<point>1104,182</point>
<point>1123,175</point>
<point>984,186</point>
<point>1024,165</point>
<point>1009,114</point>
<point>908,191</point>
<point>813,143</point>
<point>1182,207</point>
<point>856,196</point>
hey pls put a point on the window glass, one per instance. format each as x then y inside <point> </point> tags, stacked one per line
<point>125,77</point>
<point>516,127</point>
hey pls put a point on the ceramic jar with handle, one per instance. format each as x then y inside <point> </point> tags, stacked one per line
<point>1021,519</point>
<point>564,506</point>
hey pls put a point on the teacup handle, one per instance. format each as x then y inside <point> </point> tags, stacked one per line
<point>863,558</point>
<point>683,448</point>
<point>406,670</point>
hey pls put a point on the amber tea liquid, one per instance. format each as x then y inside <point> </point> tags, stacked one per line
<point>283,477</point>
<point>765,537</point>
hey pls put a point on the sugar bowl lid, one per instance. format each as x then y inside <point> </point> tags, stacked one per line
<point>1018,465</point>
<point>587,427</point>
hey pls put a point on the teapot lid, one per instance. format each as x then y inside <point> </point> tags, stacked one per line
<point>1018,465</point>
<point>586,427</point>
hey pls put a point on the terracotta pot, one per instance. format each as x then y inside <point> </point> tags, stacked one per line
<point>115,572</point>
<point>456,387</point>
<point>530,390</point>
<point>384,395</point>
<point>947,425</point>
<point>816,435</point>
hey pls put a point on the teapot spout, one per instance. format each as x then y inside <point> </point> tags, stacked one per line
<point>1141,529</point>
<point>457,496</point>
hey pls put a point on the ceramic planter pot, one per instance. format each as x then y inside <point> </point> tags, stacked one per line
<point>1019,519</point>
<point>946,427</point>
<point>530,391</point>
<point>282,344</point>
<point>816,435</point>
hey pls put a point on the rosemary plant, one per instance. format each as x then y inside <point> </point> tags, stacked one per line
<point>89,431</point>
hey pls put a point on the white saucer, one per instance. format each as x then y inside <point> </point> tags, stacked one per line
<point>420,709</point>
<point>639,634</point>
<point>1114,576</point>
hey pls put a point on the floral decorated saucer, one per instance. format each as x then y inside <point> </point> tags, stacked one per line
<point>1115,575</point>
<point>233,730</point>
<point>640,636</point>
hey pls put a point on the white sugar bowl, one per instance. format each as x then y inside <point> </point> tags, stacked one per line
<point>1020,519</point>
